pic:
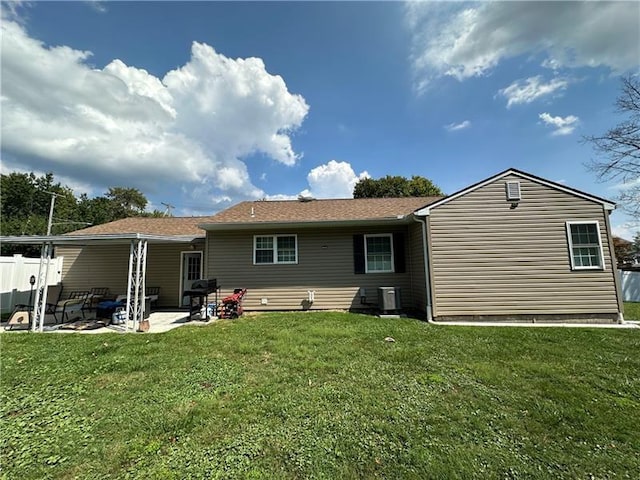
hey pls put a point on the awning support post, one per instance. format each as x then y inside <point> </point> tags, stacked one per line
<point>136,283</point>
<point>40,302</point>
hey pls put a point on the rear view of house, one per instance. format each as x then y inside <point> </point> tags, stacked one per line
<point>513,247</point>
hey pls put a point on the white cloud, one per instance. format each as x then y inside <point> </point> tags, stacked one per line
<point>121,125</point>
<point>97,5</point>
<point>12,10</point>
<point>281,196</point>
<point>235,106</point>
<point>140,83</point>
<point>452,127</point>
<point>526,91</point>
<point>465,40</point>
<point>333,180</point>
<point>563,125</point>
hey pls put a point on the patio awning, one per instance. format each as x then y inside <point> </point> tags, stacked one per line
<point>137,265</point>
<point>97,239</point>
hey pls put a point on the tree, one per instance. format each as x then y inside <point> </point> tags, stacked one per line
<point>26,199</point>
<point>126,202</point>
<point>624,250</point>
<point>24,206</point>
<point>395,186</point>
<point>619,147</point>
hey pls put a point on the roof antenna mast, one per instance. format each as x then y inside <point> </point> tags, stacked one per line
<point>170,207</point>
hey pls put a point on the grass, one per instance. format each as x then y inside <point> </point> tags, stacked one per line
<point>322,395</point>
<point>632,310</point>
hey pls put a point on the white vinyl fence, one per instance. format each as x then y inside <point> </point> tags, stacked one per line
<point>630,285</point>
<point>14,278</point>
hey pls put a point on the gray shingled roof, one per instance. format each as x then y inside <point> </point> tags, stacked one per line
<point>148,226</point>
<point>334,210</point>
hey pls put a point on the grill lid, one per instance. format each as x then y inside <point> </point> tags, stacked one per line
<point>203,285</point>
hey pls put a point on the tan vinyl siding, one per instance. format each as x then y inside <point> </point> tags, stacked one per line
<point>491,259</point>
<point>417,267</point>
<point>95,266</point>
<point>108,266</point>
<point>325,265</point>
<point>163,270</point>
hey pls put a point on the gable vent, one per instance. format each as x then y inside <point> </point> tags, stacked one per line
<point>513,191</point>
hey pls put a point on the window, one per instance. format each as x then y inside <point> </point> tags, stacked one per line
<point>584,245</point>
<point>270,249</point>
<point>379,253</point>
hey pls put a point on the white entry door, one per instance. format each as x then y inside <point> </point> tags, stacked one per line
<point>191,270</point>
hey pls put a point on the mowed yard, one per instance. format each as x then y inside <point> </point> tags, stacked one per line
<point>322,395</point>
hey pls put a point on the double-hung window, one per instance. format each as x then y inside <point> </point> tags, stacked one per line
<point>271,249</point>
<point>584,245</point>
<point>379,253</point>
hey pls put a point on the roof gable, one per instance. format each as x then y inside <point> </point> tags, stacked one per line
<point>512,171</point>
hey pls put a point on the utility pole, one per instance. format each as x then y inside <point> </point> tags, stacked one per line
<point>43,272</point>
<point>53,201</point>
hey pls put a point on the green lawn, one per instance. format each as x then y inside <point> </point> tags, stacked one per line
<point>323,395</point>
<point>632,310</point>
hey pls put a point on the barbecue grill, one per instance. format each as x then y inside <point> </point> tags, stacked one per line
<point>198,295</point>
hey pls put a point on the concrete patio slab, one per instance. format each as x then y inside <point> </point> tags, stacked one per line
<point>158,322</point>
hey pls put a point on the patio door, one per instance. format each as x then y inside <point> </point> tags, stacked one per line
<point>191,270</point>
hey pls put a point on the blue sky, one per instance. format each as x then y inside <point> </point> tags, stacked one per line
<point>204,104</point>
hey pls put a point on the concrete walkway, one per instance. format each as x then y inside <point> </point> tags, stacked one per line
<point>625,325</point>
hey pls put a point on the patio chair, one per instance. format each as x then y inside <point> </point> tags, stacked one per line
<point>97,295</point>
<point>153,293</point>
<point>21,318</point>
<point>22,314</point>
<point>54,294</point>
<point>74,301</point>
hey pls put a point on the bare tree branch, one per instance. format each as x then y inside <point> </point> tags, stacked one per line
<point>619,148</point>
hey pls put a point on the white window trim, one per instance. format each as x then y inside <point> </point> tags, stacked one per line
<point>570,240</point>
<point>183,287</point>
<point>275,249</point>
<point>366,253</point>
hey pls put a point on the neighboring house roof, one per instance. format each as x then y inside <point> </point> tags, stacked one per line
<point>359,210</point>
<point>148,226</point>
<point>512,171</point>
<point>621,241</point>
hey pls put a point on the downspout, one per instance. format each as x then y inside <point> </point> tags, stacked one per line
<point>423,223</point>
